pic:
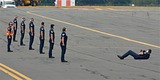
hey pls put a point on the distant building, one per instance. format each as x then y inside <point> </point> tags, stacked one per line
<point>60,3</point>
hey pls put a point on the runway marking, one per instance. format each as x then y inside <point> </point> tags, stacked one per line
<point>106,8</point>
<point>8,70</point>
<point>98,8</point>
<point>9,73</point>
<point>97,31</point>
<point>110,9</point>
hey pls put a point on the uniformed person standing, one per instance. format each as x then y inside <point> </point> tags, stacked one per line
<point>31,33</point>
<point>22,31</point>
<point>42,38</point>
<point>15,28</point>
<point>51,40</point>
<point>32,2</point>
<point>63,44</point>
<point>9,34</point>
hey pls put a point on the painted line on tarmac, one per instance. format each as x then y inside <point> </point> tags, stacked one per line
<point>8,70</point>
<point>110,9</point>
<point>11,74</point>
<point>97,31</point>
<point>98,8</point>
<point>106,8</point>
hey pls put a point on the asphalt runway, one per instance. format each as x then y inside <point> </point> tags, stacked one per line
<point>96,37</point>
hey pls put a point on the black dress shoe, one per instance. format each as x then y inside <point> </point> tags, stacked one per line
<point>10,51</point>
<point>52,57</point>
<point>31,49</point>
<point>22,45</point>
<point>42,52</point>
<point>64,61</point>
<point>120,57</point>
<point>15,41</point>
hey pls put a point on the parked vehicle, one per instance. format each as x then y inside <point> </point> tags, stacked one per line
<point>7,4</point>
<point>28,2</point>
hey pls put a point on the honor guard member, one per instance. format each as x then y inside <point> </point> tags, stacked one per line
<point>63,44</point>
<point>31,33</point>
<point>32,2</point>
<point>15,28</point>
<point>9,34</point>
<point>51,40</point>
<point>22,31</point>
<point>42,38</point>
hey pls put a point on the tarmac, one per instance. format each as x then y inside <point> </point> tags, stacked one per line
<point>95,37</point>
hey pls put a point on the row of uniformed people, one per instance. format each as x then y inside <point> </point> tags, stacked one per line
<point>11,33</point>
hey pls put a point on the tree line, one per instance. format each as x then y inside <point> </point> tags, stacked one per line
<point>119,2</point>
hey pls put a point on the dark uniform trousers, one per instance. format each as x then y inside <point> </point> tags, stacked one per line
<point>135,55</point>
<point>9,43</point>
<point>14,35</point>
<point>21,40</point>
<point>41,45</point>
<point>31,41</point>
<point>32,2</point>
<point>63,49</point>
<point>50,49</point>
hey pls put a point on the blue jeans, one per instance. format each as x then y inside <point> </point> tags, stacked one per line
<point>50,49</point>
<point>41,45</point>
<point>31,41</point>
<point>14,35</point>
<point>9,43</point>
<point>63,51</point>
<point>21,40</point>
<point>133,54</point>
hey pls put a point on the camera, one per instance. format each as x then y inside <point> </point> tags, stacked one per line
<point>142,51</point>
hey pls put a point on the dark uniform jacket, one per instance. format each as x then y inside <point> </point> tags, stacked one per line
<point>146,55</point>
<point>31,25</point>
<point>51,32</point>
<point>65,38</point>
<point>22,25</point>
<point>43,31</point>
<point>15,27</point>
